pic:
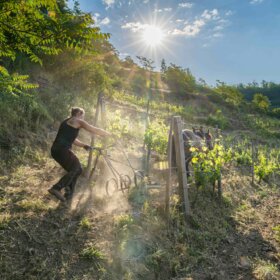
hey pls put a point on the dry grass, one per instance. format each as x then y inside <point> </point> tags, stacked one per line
<point>127,237</point>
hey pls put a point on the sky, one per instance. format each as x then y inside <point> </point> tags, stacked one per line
<point>228,40</point>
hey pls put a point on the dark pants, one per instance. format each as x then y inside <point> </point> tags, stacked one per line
<point>67,159</point>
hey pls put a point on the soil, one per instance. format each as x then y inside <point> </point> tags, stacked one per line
<point>42,238</point>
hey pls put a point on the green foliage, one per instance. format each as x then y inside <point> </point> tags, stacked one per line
<point>160,107</point>
<point>181,81</point>
<point>124,221</point>
<point>242,154</point>
<point>19,108</point>
<point>265,166</point>
<point>146,63</point>
<point>156,137</point>
<point>230,93</point>
<point>118,125</point>
<point>163,66</point>
<point>15,83</point>
<point>266,270</point>
<point>92,253</point>
<point>128,62</point>
<point>277,232</point>
<point>37,30</point>
<point>261,101</point>
<point>263,125</point>
<point>44,27</point>
<point>5,219</point>
<point>85,223</point>
<point>269,89</point>
<point>243,157</point>
<point>139,84</point>
<point>36,205</point>
<point>218,119</point>
<point>22,112</point>
<point>207,164</point>
<point>275,112</point>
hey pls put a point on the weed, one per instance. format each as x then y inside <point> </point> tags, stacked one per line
<point>36,205</point>
<point>227,200</point>
<point>243,207</point>
<point>262,194</point>
<point>129,276</point>
<point>137,195</point>
<point>266,270</point>
<point>4,220</point>
<point>156,259</point>
<point>92,253</point>
<point>124,220</point>
<point>218,119</point>
<point>4,201</point>
<point>85,223</point>
<point>277,233</point>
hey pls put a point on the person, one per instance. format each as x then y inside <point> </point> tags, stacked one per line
<point>62,153</point>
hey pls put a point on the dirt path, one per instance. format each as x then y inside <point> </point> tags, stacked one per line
<point>126,237</point>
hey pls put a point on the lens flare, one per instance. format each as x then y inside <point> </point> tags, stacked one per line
<point>152,35</point>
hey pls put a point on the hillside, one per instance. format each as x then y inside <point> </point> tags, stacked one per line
<point>127,237</point>
<point>55,58</point>
<point>269,89</point>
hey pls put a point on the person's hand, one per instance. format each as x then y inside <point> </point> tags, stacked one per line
<point>87,147</point>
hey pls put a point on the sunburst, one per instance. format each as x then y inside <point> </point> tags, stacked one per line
<point>153,36</point>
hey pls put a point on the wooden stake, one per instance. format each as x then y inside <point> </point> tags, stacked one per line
<point>103,113</point>
<point>92,137</point>
<point>168,183</point>
<point>181,166</point>
<point>253,163</point>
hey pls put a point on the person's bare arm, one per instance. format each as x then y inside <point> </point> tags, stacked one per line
<point>93,129</point>
<point>78,143</point>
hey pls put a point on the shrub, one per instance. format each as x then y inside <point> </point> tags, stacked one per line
<point>261,101</point>
<point>218,119</point>
<point>156,137</point>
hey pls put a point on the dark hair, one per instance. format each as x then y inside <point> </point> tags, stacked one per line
<point>76,110</point>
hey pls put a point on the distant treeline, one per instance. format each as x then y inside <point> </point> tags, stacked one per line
<point>269,89</point>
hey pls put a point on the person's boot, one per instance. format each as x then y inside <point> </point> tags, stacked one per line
<point>68,193</point>
<point>57,194</point>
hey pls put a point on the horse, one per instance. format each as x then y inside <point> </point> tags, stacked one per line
<point>192,138</point>
<point>197,138</point>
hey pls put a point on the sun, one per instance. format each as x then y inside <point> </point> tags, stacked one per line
<point>152,35</point>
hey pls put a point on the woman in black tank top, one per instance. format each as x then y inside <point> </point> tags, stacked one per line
<point>61,151</point>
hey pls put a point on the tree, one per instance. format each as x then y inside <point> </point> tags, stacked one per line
<point>163,67</point>
<point>202,82</point>
<point>42,27</point>
<point>261,101</point>
<point>146,63</point>
<point>128,62</point>
<point>230,93</point>
<point>180,80</point>
<point>34,31</point>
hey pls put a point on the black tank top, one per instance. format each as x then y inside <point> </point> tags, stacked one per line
<point>65,135</point>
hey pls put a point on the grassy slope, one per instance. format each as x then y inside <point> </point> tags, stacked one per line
<point>127,238</point>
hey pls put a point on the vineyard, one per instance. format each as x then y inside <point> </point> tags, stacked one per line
<point>186,187</point>
<point>127,236</point>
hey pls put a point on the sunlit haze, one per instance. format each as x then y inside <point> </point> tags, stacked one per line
<point>152,35</point>
<point>232,41</point>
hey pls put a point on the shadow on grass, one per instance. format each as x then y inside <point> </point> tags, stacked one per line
<point>40,242</point>
<point>45,240</point>
<point>221,248</point>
